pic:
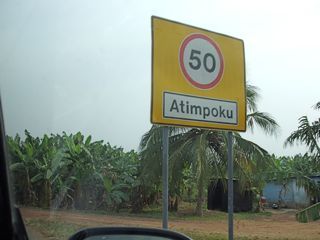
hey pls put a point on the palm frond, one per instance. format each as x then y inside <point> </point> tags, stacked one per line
<point>264,121</point>
<point>317,106</point>
<point>306,133</point>
<point>249,148</point>
<point>252,98</point>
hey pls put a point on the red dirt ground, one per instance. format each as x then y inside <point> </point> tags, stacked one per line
<point>281,224</point>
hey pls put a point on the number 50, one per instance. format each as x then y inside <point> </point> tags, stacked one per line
<point>195,61</point>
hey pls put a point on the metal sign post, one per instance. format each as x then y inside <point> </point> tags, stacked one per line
<point>230,187</point>
<point>165,154</point>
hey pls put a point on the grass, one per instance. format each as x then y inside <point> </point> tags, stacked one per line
<point>186,212</point>
<point>202,236</point>
<point>56,230</point>
<point>53,229</point>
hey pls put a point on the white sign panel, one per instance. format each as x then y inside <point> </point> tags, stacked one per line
<point>181,106</point>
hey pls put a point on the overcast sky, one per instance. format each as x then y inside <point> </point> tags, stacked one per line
<point>74,65</point>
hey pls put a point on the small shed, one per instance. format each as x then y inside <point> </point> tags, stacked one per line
<point>218,197</point>
<point>291,196</point>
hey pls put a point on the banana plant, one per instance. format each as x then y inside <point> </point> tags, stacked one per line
<point>22,164</point>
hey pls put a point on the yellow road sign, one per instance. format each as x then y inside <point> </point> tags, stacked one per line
<point>198,77</point>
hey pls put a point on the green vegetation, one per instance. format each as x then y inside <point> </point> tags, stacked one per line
<point>71,171</point>
<point>309,214</point>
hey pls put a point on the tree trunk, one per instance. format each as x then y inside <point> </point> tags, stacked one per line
<point>28,193</point>
<point>173,204</point>
<point>137,202</point>
<point>170,204</point>
<point>200,196</point>
<point>46,199</point>
<point>78,197</point>
<point>176,204</point>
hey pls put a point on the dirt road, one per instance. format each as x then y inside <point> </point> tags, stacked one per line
<point>279,226</point>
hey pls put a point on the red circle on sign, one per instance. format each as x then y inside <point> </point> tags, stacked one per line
<point>215,80</point>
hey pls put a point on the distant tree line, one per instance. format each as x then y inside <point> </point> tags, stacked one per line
<point>71,171</point>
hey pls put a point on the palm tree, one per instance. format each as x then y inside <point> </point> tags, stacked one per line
<point>204,151</point>
<point>308,134</point>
